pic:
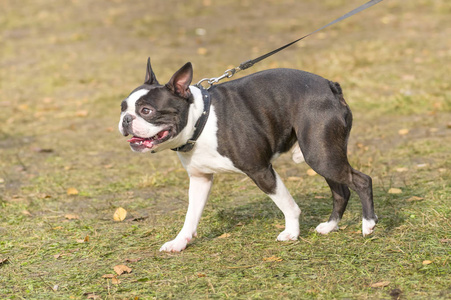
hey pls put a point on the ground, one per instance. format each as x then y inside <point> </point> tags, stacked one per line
<point>65,169</point>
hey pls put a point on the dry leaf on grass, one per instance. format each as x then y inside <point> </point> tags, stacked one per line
<point>85,240</point>
<point>72,216</point>
<point>380,284</point>
<point>72,191</point>
<point>403,131</point>
<point>119,214</point>
<point>414,198</point>
<point>272,258</point>
<point>224,235</point>
<point>4,261</point>
<point>26,213</point>
<point>120,269</point>
<point>114,280</point>
<point>109,276</point>
<point>395,191</point>
<point>427,262</point>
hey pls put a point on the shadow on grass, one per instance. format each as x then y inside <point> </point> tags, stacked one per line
<point>316,208</point>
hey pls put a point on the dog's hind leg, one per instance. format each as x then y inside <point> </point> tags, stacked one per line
<point>270,183</point>
<point>324,147</point>
<point>341,194</point>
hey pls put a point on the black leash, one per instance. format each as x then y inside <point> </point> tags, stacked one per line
<point>249,63</point>
<point>200,124</point>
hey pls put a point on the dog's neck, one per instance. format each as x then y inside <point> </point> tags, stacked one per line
<point>195,111</point>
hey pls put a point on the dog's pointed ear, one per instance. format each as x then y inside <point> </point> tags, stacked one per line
<point>150,75</point>
<point>180,81</point>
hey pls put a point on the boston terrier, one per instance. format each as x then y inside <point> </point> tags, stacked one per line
<point>242,126</point>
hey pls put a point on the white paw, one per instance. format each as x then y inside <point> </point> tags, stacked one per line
<point>368,226</point>
<point>326,227</point>
<point>288,236</point>
<point>176,245</point>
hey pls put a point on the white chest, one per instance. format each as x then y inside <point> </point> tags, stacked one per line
<point>205,159</point>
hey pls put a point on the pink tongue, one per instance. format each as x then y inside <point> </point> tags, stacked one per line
<point>135,139</point>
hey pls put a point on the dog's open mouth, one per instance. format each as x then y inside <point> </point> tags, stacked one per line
<point>139,143</point>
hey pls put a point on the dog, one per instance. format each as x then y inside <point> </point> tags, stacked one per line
<point>246,124</point>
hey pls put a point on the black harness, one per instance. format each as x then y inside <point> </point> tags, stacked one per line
<point>200,124</point>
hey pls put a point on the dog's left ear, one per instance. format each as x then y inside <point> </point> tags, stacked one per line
<point>150,75</point>
<point>180,81</point>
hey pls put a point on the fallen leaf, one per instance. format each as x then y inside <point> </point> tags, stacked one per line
<point>403,131</point>
<point>278,226</point>
<point>85,240</point>
<point>380,284</point>
<point>26,213</point>
<point>201,275</point>
<point>401,170</point>
<point>93,296</point>
<point>71,216</point>
<point>72,191</point>
<point>42,150</point>
<point>114,280</point>
<point>414,198</point>
<point>311,172</point>
<point>109,276</point>
<point>202,51</point>
<point>427,262</point>
<point>120,269</point>
<point>224,235</point>
<point>119,214</point>
<point>272,258</point>
<point>4,261</point>
<point>82,113</point>
<point>395,191</point>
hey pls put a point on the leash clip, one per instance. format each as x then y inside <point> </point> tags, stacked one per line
<point>227,74</point>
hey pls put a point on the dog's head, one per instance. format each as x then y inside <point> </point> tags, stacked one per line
<point>155,114</point>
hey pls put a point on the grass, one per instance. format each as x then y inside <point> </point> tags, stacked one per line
<point>65,67</point>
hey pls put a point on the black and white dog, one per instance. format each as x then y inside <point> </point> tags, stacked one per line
<point>251,121</point>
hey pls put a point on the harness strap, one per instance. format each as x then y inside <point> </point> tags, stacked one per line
<point>200,124</point>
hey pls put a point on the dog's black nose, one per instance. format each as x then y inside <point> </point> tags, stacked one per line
<point>127,119</point>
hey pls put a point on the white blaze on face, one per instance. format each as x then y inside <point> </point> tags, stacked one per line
<point>139,126</point>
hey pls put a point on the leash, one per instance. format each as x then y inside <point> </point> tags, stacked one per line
<point>249,63</point>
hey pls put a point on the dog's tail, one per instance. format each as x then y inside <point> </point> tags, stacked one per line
<point>338,93</point>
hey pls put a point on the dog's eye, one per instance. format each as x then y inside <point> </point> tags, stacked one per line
<point>145,111</point>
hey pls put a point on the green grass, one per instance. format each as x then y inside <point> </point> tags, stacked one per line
<point>65,67</point>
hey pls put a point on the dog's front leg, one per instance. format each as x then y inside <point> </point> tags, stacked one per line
<point>199,189</point>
